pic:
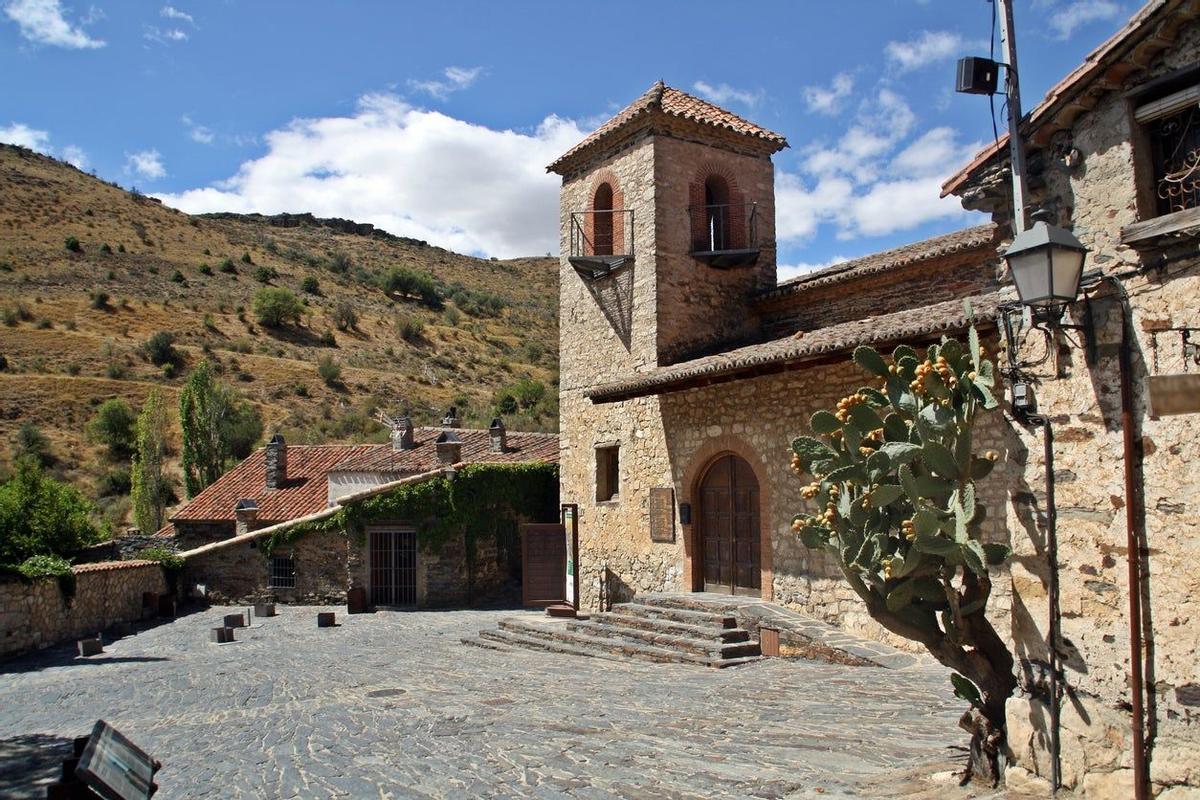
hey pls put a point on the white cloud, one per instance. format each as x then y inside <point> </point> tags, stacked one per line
<point>74,155</point>
<point>410,171</point>
<point>824,100</point>
<point>170,12</point>
<point>1079,13</point>
<point>723,94</point>
<point>933,153</point>
<point>788,271</point>
<point>164,36</point>
<point>899,205</point>
<point>456,79</point>
<point>146,163</point>
<point>42,22</point>
<point>927,48</point>
<point>25,136</point>
<point>883,120</point>
<point>197,132</point>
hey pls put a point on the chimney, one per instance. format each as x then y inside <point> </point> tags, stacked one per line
<point>498,436</point>
<point>449,448</point>
<point>402,434</point>
<point>276,459</point>
<point>451,418</point>
<point>246,513</point>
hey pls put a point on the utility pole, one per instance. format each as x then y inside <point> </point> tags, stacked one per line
<point>1012,90</point>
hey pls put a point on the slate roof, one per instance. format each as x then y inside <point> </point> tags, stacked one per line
<point>476,448</point>
<point>306,489</point>
<point>981,238</point>
<point>673,102</point>
<point>1111,56</point>
<point>793,351</point>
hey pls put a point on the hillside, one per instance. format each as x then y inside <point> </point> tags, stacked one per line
<point>75,321</point>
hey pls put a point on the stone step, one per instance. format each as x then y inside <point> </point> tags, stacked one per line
<point>666,625</point>
<point>686,616</point>
<point>707,602</point>
<point>710,646</point>
<point>559,638</point>
<point>485,643</point>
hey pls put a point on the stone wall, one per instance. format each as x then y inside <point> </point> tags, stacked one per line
<point>239,574</point>
<point>36,614</point>
<point>1097,197</point>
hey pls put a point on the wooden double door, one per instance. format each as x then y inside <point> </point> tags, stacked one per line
<point>730,533</point>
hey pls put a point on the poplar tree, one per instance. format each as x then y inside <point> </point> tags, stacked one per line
<point>217,426</point>
<point>151,489</point>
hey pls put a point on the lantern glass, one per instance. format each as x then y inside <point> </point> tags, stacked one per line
<point>1046,264</point>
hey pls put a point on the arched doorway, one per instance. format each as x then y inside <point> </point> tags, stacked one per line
<point>729,536</point>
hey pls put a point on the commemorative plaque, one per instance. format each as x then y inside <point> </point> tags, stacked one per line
<point>662,514</point>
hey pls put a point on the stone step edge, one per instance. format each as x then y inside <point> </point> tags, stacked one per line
<point>717,620</point>
<point>696,601</point>
<point>486,644</point>
<point>700,646</point>
<point>607,644</point>
<point>512,639</point>
<point>666,624</point>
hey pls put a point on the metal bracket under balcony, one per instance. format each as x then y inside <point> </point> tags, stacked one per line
<point>594,267</point>
<point>601,241</point>
<point>725,235</point>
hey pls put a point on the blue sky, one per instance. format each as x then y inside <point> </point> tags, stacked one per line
<point>436,120</point>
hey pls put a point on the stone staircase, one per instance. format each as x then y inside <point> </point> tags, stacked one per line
<point>662,628</point>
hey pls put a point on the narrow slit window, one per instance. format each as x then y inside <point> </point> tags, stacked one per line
<point>608,472</point>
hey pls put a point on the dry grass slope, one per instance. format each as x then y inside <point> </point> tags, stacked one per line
<point>158,269</point>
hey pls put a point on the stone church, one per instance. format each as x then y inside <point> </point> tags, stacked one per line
<point>686,371</point>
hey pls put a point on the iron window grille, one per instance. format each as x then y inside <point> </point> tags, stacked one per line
<point>283,573</point>
<point>1171,125</point>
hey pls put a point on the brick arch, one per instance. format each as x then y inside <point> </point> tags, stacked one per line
<point>602,177</point>
<point>696,202</point>
<point>708,452</point>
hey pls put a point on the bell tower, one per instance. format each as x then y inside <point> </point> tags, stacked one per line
<point>667,230</point>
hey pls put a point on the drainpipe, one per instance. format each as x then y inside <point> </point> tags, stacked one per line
<point>1141,777</point>
<point>1052,633</point>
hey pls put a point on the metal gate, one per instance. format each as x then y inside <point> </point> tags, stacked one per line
<point>543,564</point>
<point>393,566</point>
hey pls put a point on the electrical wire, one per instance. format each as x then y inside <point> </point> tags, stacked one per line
<point>992,58</point>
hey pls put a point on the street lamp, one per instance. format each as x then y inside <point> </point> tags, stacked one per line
<point>1046,262</point>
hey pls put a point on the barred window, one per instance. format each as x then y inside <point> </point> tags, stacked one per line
<point>1170,121</point>
<point>283,573</point>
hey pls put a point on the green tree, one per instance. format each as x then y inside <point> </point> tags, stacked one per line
<point>112,426</point>
<point>275,307</point>
<point>30,442</point>
<point>151,488</point>
<point>217,425</point>
<point>896,506</point>
<point>42,516</point>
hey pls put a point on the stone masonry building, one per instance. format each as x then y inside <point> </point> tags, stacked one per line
<point>281,483</point>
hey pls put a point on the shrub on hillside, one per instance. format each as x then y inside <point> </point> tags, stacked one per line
<point>227,266</point>
<point>114,483</point>
<point>328,339</point>
<point>344,315</point>
<point>246,259</point>
<point>31,443</point>
<point>329,370</point>
<point>412,284</point>
<point>274,307</point>
<point>112,426</point>
<point>204,269</point>
<point>310,285</point>
<point>100,300</point>
<point>265,274</point>
<point>160,349</point>
<point>340,262</point>
<point>73,245</point>
<point>409,327</point>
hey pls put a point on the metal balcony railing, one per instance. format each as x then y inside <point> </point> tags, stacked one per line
<point>601,241</point>
<point>726,234</point>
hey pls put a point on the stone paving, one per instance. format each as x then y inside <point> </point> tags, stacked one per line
<point>392,705</point>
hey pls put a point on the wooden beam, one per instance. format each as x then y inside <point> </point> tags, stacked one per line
<point>1187,221</point>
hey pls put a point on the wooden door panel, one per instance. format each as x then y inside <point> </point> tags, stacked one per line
<point>730,527</point>
<point>543,564</point>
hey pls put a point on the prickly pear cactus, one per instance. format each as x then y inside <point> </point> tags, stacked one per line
<point>890,474</point>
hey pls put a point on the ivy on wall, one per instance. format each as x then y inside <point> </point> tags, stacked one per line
<point>478,501</point>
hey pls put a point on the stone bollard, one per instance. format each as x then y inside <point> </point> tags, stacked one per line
<point>121,629</point>
<point>356,600</point>
<point>221,635</point>
<point>264,609</point>
<point>235,621</point>
<point>325,619</point>
<point>166,606</point>
<point>90,647</point>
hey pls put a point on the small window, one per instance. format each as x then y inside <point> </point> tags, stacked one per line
<point>608,472</point>
<point>283,573</point>
<point>602,223</point>
<point>1171,127</point>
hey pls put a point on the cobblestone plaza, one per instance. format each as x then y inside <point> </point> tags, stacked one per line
<point>393,705</point>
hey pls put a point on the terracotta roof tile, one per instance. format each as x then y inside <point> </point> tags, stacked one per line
<point>979,238</point>
<point>109,566</point>
<point>673,102</point>
<point>1108,55</point>
<point>748,361</point>
<point>306,489</point>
